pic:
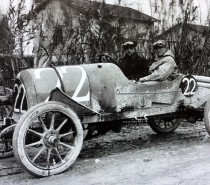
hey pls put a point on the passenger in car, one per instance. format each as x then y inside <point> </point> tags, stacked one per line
<point>164,67</point>
<point>132,65</point>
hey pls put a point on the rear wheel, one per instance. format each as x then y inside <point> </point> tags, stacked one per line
<point>207,116</point>
<point>47,139</point>
<point>163,126</point>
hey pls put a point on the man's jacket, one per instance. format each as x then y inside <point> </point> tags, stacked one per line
<point>164,68</point>
<point>134,66</point>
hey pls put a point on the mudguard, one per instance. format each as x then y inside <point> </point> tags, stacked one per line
<point>58,95</point>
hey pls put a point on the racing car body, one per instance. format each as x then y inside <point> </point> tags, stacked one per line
<point>105,91</point>
<point>53,107</point>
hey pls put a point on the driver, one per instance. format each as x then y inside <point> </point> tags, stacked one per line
<point>132,65</point>
<point>164,67</point>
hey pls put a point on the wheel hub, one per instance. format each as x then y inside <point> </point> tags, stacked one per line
<point>51,140</point>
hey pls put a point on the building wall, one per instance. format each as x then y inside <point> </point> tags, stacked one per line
<point>192,37</point>
<point>51,20</point>
<point>54,12</point>
<point>133,29</point>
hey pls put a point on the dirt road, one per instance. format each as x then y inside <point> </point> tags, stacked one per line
<point>135,156</point>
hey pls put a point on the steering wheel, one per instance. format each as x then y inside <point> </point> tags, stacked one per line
<point>105,58</point>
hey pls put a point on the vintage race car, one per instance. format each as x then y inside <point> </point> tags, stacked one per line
<point>56,108</point>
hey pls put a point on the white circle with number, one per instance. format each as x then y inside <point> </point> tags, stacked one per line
<point>188,86</point>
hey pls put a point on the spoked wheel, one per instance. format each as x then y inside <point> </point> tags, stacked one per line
<point>207,116</point>
<point>6,132</point>
<point>6,141</point>
<point>163,126</point>
<point>6,148</point>
<point>47,139</point>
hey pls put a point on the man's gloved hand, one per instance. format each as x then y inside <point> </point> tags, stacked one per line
<point>134,81</point>
<point>142,80</point>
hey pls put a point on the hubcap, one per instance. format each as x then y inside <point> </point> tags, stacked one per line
<point>51,140</point>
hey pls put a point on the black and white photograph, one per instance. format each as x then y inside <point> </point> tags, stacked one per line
<point>105,92</point>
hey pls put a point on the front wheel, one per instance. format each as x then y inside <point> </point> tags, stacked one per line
<point>163,126</point>
<point>47,139</point>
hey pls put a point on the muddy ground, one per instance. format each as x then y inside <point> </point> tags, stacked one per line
<point>136,156</point>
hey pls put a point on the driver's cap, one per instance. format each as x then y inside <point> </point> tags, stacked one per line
<point>160,43</point>
<point>129,43</point>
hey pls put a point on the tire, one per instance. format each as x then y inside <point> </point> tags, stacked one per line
<point>5,148</point>
<point>162,126</point>
<point>6,141</point>
<point>207,116</point>
<point>47,139</point>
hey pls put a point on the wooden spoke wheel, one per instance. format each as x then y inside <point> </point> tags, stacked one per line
<point>163,126</point>
<point>207,116</point>
<point>47,139</point>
